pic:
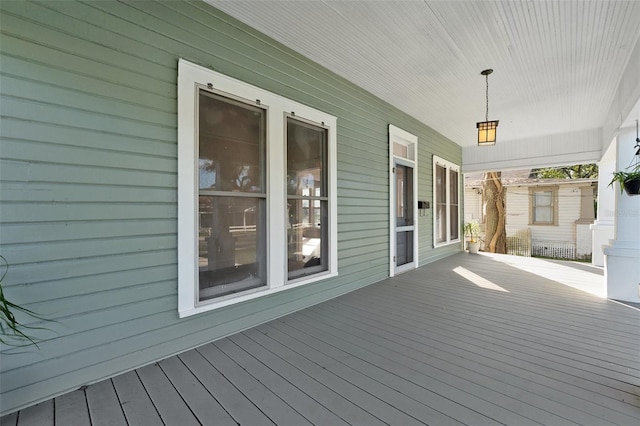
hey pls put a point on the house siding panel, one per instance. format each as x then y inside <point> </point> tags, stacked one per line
<point>568,212</point>
<point>88,173</point>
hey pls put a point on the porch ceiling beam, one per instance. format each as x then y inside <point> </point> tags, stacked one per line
<point>584,146</point>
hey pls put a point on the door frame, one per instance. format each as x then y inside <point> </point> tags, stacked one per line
<point>402,138</point>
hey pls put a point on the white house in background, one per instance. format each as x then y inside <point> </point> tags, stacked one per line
<point>557,213</point>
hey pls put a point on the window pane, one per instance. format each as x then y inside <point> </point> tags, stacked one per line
<point>453,187</point>
<point>404,248</point>
<point>400,190</point>
<point>307,237</point>
<point>543,198</point>
<point>441,206</point>
<point>453,197</point>
<point>441,178</point>
<point>400,150</point>
<point>455,226</point>
<point>542,214</point>
<point>307,205</point>
<point>231,245</point>
<point>232,237</point>
<point>231,145</point>
<point>404,196</point>
<point>543,206</point>
<point>306,159</point>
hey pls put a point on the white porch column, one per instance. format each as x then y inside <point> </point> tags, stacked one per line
<point>603,227</point>
<point>622,255</point>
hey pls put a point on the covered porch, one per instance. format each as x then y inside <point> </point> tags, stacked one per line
<point>470,339</point>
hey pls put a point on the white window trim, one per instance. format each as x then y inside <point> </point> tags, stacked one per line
<point>189,76</point>
<point>409,140</point>
<point>448,165</point>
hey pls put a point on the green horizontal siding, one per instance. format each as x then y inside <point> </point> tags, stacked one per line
<point>88,176</point>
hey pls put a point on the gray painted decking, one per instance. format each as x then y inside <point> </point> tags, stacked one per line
<point>428,346</point>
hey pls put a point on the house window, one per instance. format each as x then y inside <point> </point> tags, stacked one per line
<point>453,203</point>
<point>231,196</point>
<point>256,192</point>
<point>543,206</point>
<point>446,192</point>
<point>307,201</point>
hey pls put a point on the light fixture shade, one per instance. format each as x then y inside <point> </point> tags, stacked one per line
<point>487,132</point>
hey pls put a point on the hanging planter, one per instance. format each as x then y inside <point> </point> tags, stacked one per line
<point>632,186</point>
<point>629,181</point>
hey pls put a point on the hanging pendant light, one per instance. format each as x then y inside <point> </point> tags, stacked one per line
<point>487,129</point>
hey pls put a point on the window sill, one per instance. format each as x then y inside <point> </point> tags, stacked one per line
<point>437,245</point>
<point>253,294</point>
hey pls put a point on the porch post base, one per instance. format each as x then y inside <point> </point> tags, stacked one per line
<point>602,234</point>
<point>622,271</point>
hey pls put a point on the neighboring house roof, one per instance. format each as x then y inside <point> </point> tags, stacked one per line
<point>521,178</point>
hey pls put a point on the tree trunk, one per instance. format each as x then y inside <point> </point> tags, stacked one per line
<point>495,237</point>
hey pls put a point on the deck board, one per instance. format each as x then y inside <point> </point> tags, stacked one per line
<point>170,405</point>
<point>38,415</point>
<point>275,408</point>
<point>241,409</point>
<point>327,395</point>
<point>9,420</point>
<point>136,403</point>
<point>504,364</point>
<point>378,383</point>
<point>347,394</point>
<point>500,328</point>
<point>554,323</point>
<point>378,352</point>
<point>104,407</point>
<point>475,375</point>
<point>203,405</point>
<point>429,346</point>
<point>71,409</point>
<point>303,403</point>
<point>382,372</point>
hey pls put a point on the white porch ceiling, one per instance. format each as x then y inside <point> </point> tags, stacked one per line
<point>557,64</point>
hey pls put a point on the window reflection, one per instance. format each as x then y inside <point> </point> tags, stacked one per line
<point>307,201</point>
<point>231,154</point>
<point>231,245</point>
<point>232,237</point>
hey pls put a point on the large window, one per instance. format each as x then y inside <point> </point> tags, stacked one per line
<point>307,201</point>
<point>231,196</point>
<point>543,205</point>
<point>256,192</point>
<point>446,182</point>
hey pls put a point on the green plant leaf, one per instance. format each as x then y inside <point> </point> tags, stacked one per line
<point>10,328</point>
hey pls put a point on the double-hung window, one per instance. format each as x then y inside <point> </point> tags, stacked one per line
<point>256,192</point>
<point>446,183</point>
<point>307,201</point>
<point>543,205</point>
<point>231,195</point>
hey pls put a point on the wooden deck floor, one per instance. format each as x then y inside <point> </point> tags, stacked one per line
<point>472,340</point>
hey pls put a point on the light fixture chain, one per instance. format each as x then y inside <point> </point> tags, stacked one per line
<point>486,117</point>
